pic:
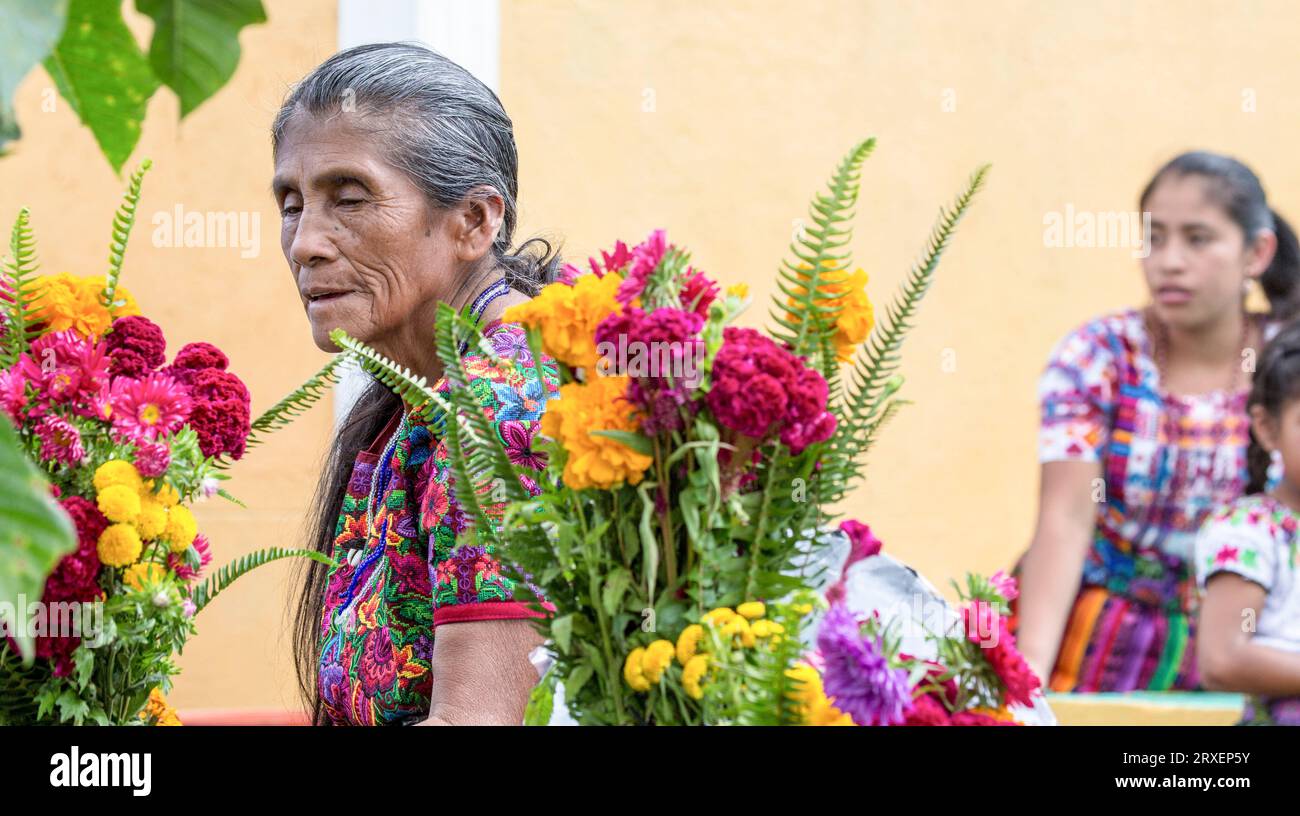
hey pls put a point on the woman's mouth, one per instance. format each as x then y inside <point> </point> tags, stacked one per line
<point>323,299</point>
<point>1173,295</point>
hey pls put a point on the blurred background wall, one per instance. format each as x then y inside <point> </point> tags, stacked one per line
<point>717,121</point>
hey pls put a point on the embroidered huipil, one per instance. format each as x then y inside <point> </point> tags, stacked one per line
<point>1255,537</point>
<point>1166,461</point>
<point>380,617</point>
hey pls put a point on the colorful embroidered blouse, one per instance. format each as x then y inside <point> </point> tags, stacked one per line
<point>1167,460</point>
<point>1255,537</point>
<point>380,616</point>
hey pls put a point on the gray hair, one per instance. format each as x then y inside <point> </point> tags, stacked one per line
<point>446,130</point>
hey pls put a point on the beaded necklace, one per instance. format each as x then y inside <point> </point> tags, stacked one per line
<point>383,468</point>
<point>1159,334</point>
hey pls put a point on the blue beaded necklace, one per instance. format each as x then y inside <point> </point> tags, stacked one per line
<point>383,470</point>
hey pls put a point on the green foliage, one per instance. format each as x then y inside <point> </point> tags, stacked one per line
<point>19,276</point>
<point>123,220</point>
<point>34,531</point>
<point>224,577</point>
<point>99,69</point>
<point>195,45</point>
<point>751,685</point>
<point>31,28</point>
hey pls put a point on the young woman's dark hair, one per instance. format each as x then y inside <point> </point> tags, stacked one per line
<point>1236,188</point>
<point>1276,382</point>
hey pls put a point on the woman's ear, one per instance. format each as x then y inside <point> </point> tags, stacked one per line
<point>1260,253</point>
<point>1264,428</point>
<point>476,220</point>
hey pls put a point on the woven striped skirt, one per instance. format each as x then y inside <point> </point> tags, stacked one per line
<point>1112,643</point>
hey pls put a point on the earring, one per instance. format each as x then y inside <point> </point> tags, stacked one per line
<point>1275,468</point>
<point>1254,301</point>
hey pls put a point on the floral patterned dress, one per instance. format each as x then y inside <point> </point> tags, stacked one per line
<point>1166,461</point>
<point>380,616</point>
<point>1255,538</point>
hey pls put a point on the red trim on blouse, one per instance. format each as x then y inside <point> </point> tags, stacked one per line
<point>494,610</point>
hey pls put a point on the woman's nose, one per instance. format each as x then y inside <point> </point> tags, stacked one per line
<point>312,239</point>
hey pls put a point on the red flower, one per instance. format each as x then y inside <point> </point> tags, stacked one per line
<point>926,710</point>
<point>135,346</point>
<point>984,626</point>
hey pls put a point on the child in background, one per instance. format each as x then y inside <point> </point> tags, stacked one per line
<point>1248,639</point>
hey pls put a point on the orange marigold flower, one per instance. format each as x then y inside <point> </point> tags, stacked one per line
<point>65,301</point>
<point>595,461</point>
<point>568,316</point>
<point>856,316</point>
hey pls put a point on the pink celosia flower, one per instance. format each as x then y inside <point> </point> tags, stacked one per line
<point>1005,585</point>
<point>143,409</point>
<point>60,441</point>
<point>645,257</point>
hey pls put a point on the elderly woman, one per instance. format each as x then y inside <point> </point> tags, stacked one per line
<point>396,176</point>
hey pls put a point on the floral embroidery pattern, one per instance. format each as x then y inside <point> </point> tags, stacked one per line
<point>379,618</point>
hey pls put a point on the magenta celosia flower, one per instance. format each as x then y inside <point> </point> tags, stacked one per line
<point>760,388</point>
<point>152,459</point>
<point>146,408</point>
<point>856,674</point>
<point>176,561</point>
<point>989,630</point>
<point>698,292</point>
<point>135,346</point>
<point>60,441</point>
<point>63,367</point>
<point>1005,585</point>
<point>610,262</point>
<point>662,353</point>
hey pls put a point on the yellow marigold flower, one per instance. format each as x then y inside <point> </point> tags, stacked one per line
<point>693,673</point>
<point>825,713</point>
<point>766,628</point>
<point>688,642</point>
<point>152,520</point>
<point>167,496</point>
<point>740,290</point>
<point>181,528</point>
<point>658,656</point>
<point>752,610</point>
<point>66,301</point>
<point>568,316</point>
<point>595,461</point>
<point>117,472</point>
<point>848,291</point>
<point>119,545</point>
<point>157,708</point>
<point>1002,713</point>
<point>137,575</point>
<point>119,503</point>
<point>803,608</point>
<point>810,699</point>
<point>719,616</point>
<point>632,670</point>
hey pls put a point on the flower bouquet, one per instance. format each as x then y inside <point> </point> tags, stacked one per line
<point>684,463</point>
<point>104,447</point>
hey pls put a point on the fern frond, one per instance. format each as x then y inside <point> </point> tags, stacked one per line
<point>19,686</point>
<point>123,220</point>
<point>412,388</point>
<point>816,249</point>
<point>879,358</point>
<point>294,405</point>
<point>19,271</point>
<point>224,577</point>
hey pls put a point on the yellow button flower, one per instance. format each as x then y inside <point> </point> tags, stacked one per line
<point>688,642</point>
<point>152,520</point>
<point>753,610</point>
<point>119,503</point>
<point>658,656</point>
<point>137,575</point>
<point>632,670</point>
<point>117,472</point>
<point>181,528</point>
<point>693,674</point>
<point>119,545</point>
<point>719,616</point>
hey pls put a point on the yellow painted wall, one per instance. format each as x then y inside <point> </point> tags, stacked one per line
<point>718,121</point>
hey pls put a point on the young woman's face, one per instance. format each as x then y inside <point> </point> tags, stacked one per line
<point>1200,258</point>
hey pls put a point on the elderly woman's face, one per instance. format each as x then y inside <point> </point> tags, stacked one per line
<point>363,242</point>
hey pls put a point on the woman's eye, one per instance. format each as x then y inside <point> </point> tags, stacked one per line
<point>350,202</point>
<point>289,209</point>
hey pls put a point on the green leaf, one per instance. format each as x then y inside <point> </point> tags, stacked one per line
<point>102,73</point>
<point>31,28</point>
<point>615,588</point>
<point>541,701</point>
<point>576,680</point>
<point>195,45</point>
<point>637,442</point>
<point>227,575</point>
<point>72,707</point>
<point>562,631</point>
<point>34,532</point>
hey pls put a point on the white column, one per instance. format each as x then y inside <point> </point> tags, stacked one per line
<point>468,32</point>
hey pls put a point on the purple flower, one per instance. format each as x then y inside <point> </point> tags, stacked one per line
<point>857,677</point>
